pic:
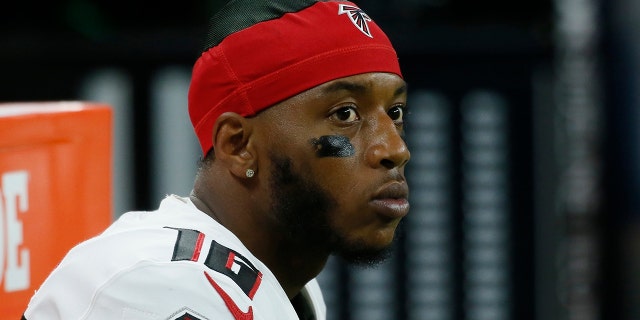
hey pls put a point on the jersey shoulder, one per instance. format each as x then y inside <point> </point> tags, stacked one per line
<point>172,263</point>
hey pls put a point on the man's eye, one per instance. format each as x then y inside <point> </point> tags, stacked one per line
<point>396,113</point>
<point>346,114</point>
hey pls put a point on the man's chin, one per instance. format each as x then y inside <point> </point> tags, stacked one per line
<point>364,257</point>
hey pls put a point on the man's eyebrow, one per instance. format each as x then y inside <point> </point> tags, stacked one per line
<point>345,85</point>
<point>358,88</point>
<point>401,90</point>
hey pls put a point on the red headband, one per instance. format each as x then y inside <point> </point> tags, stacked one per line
<point>270,61</point>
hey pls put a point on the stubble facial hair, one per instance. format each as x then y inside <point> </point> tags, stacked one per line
<point>302,208</point>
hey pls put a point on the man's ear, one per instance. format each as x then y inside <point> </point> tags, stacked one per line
<point>233,143</point>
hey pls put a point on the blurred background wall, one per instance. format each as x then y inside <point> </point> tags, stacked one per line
<point>524,135</point>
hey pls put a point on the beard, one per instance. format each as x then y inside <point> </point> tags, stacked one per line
<point>302,209</point>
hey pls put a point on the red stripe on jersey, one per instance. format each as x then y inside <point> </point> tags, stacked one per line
<point>232,256</point>
<point>198,247</point>
<point>255,286</point>
<point>228,301</point>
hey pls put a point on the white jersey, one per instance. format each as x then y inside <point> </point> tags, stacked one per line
<point>172,263</point>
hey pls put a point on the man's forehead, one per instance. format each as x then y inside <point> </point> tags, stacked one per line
<point>359,85</point>
<point>365,83</point>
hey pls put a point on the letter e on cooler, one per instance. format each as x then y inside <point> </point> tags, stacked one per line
<point>14,260</point>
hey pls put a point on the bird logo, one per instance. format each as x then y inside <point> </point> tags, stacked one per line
<point>358,17</point>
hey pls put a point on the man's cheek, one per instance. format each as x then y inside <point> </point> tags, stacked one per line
<point>333,146</point>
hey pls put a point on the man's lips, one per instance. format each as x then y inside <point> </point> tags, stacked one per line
<point>392,200</point>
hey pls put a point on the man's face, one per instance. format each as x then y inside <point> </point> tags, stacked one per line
<point>337,160</point>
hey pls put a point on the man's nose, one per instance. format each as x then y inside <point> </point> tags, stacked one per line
<point>387,148</point>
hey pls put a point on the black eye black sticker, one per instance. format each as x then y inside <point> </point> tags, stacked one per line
<point>333,146</point>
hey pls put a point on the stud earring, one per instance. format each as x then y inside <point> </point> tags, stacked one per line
<point>250,173</point>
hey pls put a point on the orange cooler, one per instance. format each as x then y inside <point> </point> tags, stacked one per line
<point>55,189</point>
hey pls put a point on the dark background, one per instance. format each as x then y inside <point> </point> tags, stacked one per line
<point>565,257</point>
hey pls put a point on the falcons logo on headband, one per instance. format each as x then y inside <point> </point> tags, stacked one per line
<point>357,17</point>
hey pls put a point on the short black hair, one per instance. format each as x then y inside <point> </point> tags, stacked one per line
<point>237,15</point>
